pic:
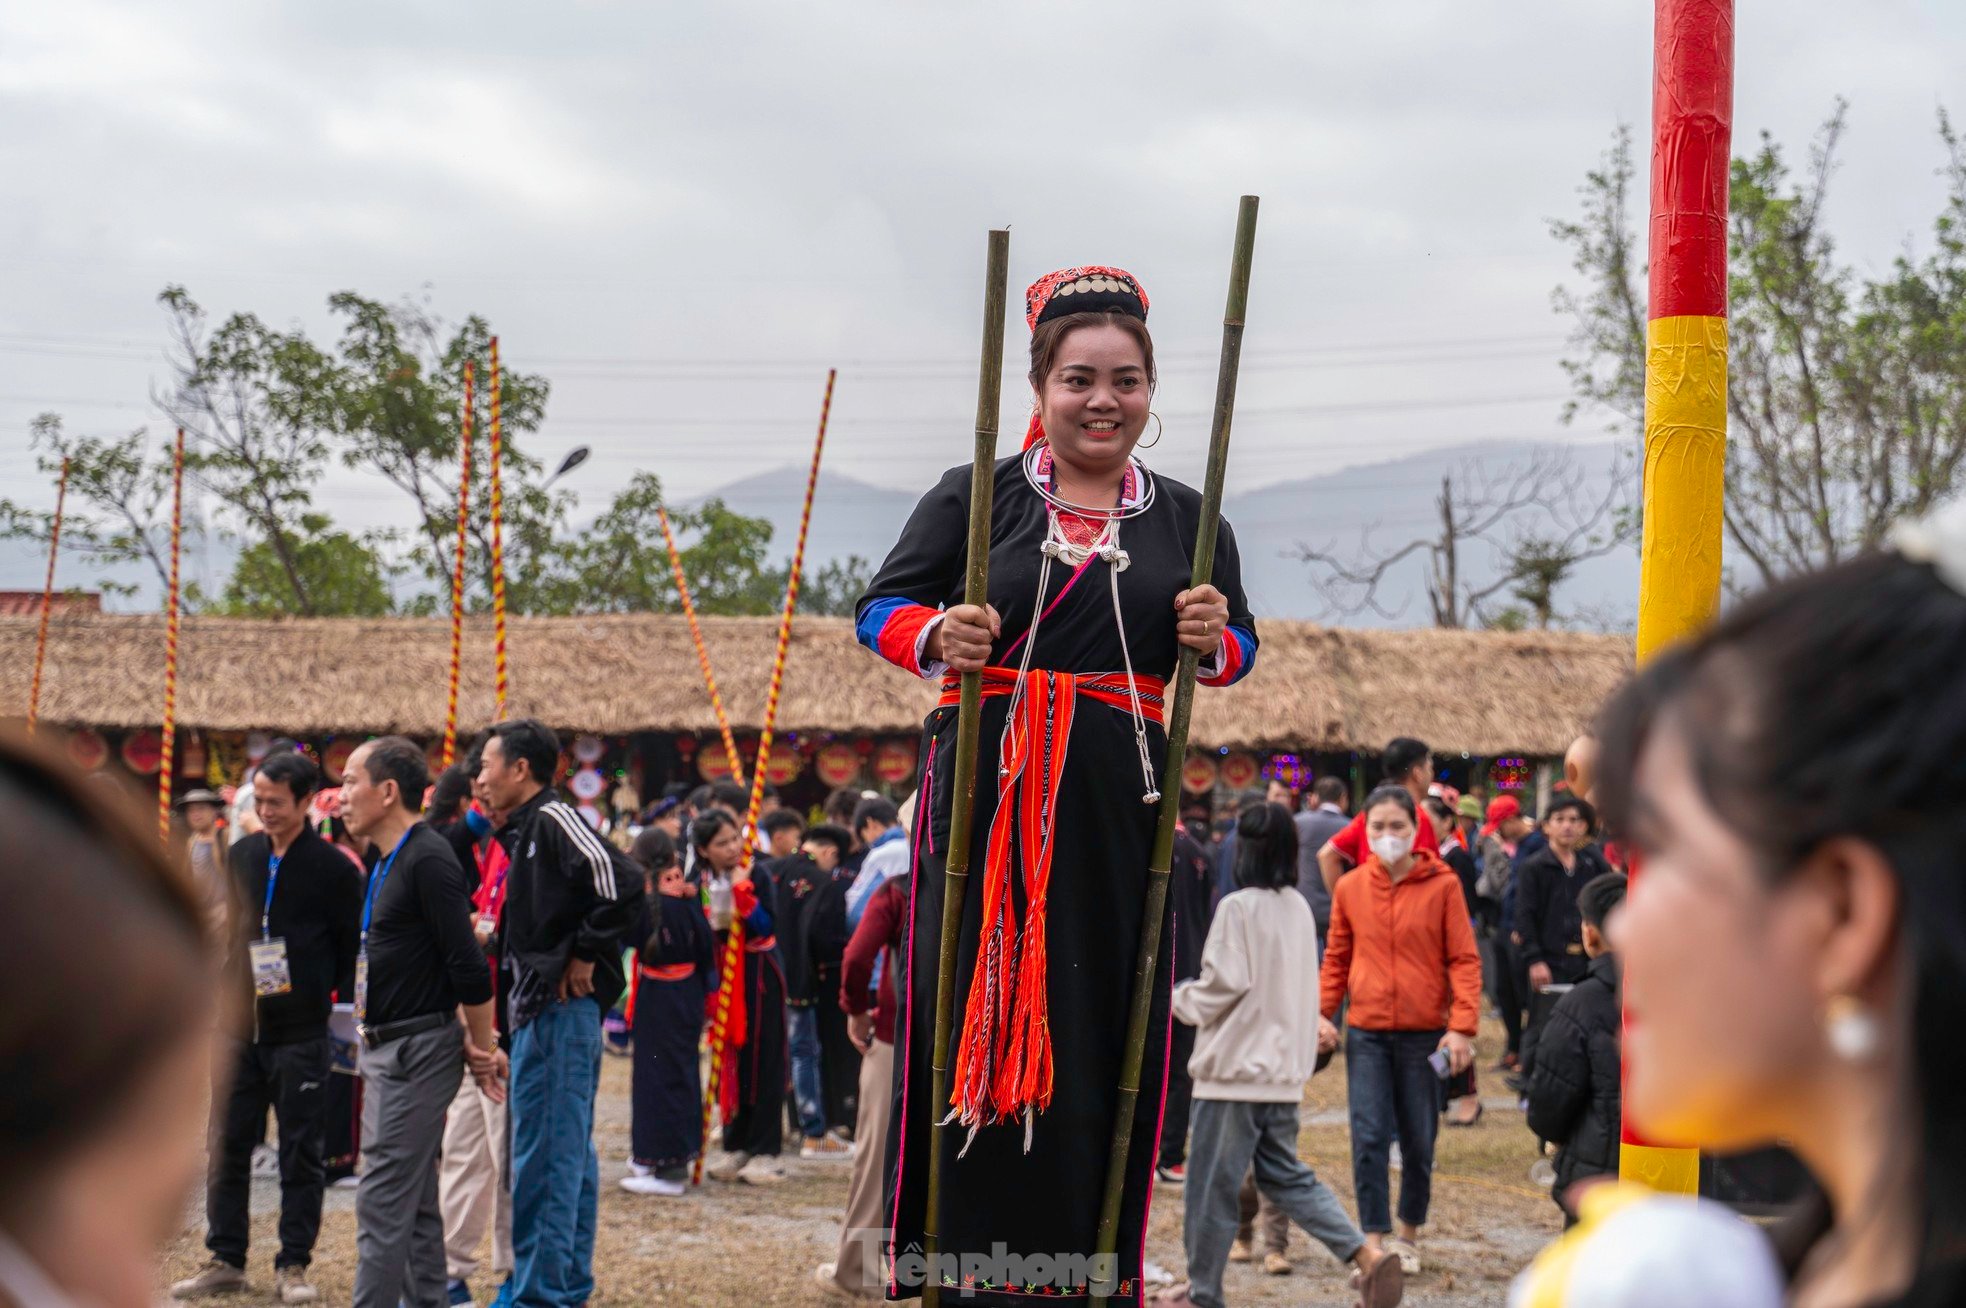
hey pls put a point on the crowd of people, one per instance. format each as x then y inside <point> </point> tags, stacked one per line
<point>1785,787</point>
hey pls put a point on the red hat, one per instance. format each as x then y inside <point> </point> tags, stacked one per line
<point>1092,288</point>
<point>1500,810</point>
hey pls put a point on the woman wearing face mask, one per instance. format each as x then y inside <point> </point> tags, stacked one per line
<point>1791,784</point>
<point>101,1121</point>
<point>1402,948</point>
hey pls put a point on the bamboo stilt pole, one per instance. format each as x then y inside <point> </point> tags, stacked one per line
<point>702,650</point>
<point>732,971</point>
<point>47,600</point>
<point>969,724</point>
<point>1177,746</point>
<point>167,762</point>
<point>497,435</point>
<point>457,568</point>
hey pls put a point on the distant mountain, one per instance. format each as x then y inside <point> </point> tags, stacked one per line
<point>1395,500</point>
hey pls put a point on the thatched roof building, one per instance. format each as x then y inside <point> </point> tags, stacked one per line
<point>1314,688</point>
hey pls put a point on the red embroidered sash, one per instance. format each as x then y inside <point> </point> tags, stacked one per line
<point>1003,1055</point>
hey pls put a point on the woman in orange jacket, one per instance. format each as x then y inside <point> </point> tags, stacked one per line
<point>1401,947</point>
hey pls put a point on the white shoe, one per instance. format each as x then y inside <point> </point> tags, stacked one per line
<point>652,1184</point>
<point>349,1182</point>
<point>826,1146</point>
<point>761,1171</point>
<point>266,1162</point>
<point>1154,1274</point>
<point>727,1167</point>
<point>637,1169</point>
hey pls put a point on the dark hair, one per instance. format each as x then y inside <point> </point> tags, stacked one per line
<point>731,794</point>
<point>838,837</point>
<point>1599,896</point>
<point>292,769</point>
<point>1328,790</point>
<point>705,827</point>
<point>781,819</point>
<point>1563,803</point>
<point>875,809</point>
<point>68,1080</point>
<point>1403,754</point>
<point>534,742</point>
<point>699,799</point>
<point>1266,847</point>
<point>1389,793</point>
<point>840,805</point>
<point>394,758</point>
<point>1439,807</point>
<point>1050,335</point>
<point>453,792</point>
<point>654,850</point>
<point>1854,672</point>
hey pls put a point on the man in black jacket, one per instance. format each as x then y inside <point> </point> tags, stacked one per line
<point>571,901</point>
<point>1574,1091</point>
<point>296,904</point>
<point>1547,884</point>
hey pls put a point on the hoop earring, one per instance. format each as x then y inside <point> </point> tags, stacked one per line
<point>1159,431</point>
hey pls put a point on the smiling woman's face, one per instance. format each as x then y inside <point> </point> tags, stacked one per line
<point>1094,400</point>
<point>1723,1033</point>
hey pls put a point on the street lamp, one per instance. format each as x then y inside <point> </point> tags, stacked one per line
<point>575,457</point>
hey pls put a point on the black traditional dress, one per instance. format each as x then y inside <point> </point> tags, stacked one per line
<point>754,1097</point>
<point>666,1012</point>
<point>1032,1182</point>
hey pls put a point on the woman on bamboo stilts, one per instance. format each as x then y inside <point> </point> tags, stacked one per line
<point>1090,558</point>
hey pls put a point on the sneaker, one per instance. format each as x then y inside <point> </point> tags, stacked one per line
<point>1275,1264</point>
<point>1154,1274</point>
<point>761,1171</point>
<point>827,1276</point>
<point>1542,1172</point>
<point>460,1293</point>
<point>1175,1175</point>
<point>1395,1160</point>
<point>638,1169</point>
<point>348,1182</point>
<point>652,1184</point>
<point>1408,1255</point>
<point>215,1277</point>
<point>292,1286</point>
<point>844,1134</point>
<point>825,1146</point>
<point>1240,1252</point>
<point>727,1166</point>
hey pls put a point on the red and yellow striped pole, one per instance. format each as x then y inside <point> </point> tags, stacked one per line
<point>1685,377</point>
<point>457,567</point>
<point>497,435</point>
<point>47,600</point>
<point>696,638</point>
<point>732,971</point>
<point>167,762</point>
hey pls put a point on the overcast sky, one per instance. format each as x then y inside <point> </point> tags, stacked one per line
<point>629,190</point>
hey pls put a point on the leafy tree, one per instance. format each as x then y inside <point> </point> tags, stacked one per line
<point>342,574</point>
<point>833,588</point>
<point>1846,397</point>
<point>118,509</point>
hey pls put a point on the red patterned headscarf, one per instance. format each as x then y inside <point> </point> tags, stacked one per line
<point>1090,289</point>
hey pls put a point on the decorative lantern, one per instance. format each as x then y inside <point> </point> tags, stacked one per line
<point>1289,769</point>
<point>588,748</point>
<point>143,752</point>
<point>1506,774</point>
<point>713,765</point>
<point>1240,771</point>
<point>334,759</point>
<point>785,765</point>
<point>88,749</point>
<point>894,761</point>
<point>587,785</point>
<point>192,756</point>
<point>1198,774</point>
<point>836,764</point>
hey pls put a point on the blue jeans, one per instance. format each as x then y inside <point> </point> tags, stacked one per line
<point>802,1029</point>
<point>1230,1135</point>
<point>556,1177</point>
<point>1394,1092</point>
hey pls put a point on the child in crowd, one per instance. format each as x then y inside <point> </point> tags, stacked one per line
<point>1255,1013</point>
<point>665,1012</point>
<point>1574,1092</point>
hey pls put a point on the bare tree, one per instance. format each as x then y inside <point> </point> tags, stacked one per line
<point>1530,517</point>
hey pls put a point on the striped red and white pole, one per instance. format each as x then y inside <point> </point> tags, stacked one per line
<point>1685,381</point>
<point>457,566</point>
<point>732,970</point>
<point>502,679</point>
<point>167,761</point>
<point>47,600</point>
<point>696,638</point>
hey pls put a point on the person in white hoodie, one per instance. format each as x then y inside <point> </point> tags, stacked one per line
<point>1255,1010</point>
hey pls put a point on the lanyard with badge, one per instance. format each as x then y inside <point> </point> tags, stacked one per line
<point>271,975</point>
<point>376,879</point>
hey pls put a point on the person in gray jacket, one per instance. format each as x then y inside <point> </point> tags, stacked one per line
<point>1255,1013</point>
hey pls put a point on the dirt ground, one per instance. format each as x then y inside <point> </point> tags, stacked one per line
<point>731,1245</point>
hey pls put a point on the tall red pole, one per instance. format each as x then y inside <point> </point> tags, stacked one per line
<point>47,601</point>
<point>1685,381</point>
<point>702,650</point>
<point>732,971</point>
<point>457,567</point>
<point>167,763</point>
<point>503,681</point>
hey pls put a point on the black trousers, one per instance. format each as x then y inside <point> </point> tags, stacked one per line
<point>1505,986</point>
<point>839,1061</point>
<point>292,1080</point>
<point>1180,1093</point>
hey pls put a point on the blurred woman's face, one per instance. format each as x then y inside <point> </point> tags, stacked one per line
<point>725,849</point>
<point>1388,819</point>
<point>1724,1027</point>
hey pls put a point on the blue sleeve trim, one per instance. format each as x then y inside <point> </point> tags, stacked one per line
<point>873,620</point>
